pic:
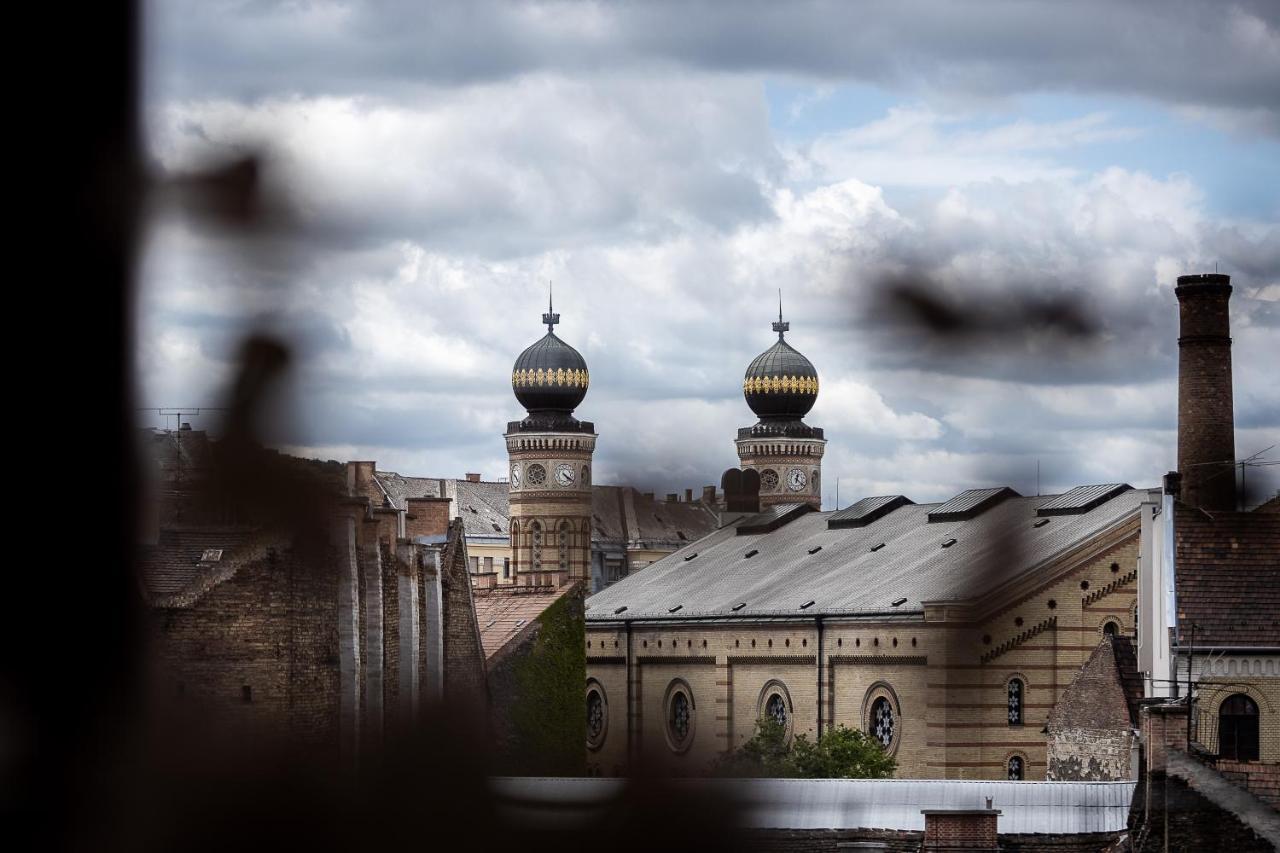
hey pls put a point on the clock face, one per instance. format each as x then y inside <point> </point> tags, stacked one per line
<point>515,476</point>
<point>565,475</point>
<point>796,479</point>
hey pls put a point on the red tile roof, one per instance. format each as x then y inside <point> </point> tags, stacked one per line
<point>506,614</point>
<point>1101,696</point>
<point>1228,566</point>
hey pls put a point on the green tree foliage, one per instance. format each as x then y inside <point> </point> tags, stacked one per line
<point>549,714</point>
<point>841,753</point>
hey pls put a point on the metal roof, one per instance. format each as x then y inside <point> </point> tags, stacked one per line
<point>1082,498</point>
<point>867,510</point>
<point>844,572</point>
<point>969,503</point>
<point>1051,808</point>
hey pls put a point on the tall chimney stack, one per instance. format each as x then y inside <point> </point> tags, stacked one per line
<point>1206,423</point>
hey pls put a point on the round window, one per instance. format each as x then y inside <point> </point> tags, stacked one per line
<point>679,717</point>
<point>776,709</point>
<point>535,475</point>
<point>597,718</point>
<point>768,479</point>
<point>882,721</point>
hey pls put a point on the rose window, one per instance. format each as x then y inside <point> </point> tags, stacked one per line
<point>882,721</point>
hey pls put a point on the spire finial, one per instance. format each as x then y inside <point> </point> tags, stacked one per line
<point>551,317</point>
<point>780,326</point>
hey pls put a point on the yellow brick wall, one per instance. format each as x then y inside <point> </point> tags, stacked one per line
<point>948,678</point>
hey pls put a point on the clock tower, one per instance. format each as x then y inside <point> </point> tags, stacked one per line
<point>781,386</point>
<point>550,464</point>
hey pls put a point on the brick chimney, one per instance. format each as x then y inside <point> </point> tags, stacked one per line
<point>1206,423</point>
<point>473,478</point>
<point>426,517</point>
<point>360,481</point>
<point>971,830</point>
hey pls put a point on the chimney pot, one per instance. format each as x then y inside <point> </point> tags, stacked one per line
<point>186,426</point>
<point>672,497</point>
<point>688,495</point>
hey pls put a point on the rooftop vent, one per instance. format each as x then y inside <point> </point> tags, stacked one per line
<point>211,555</point>
<point>772,518</point>
<point>898,602</point>
<point>947,543</point>
<point>691,556</point>
<point>621,609</point>
<point>1041,522</point>
<point>815,550</point>
<point>519,622</point>
<point>865,511</point>
<point>877,547</point>
<point>738,606</point>
<point>497,528</point>
<point>674,609</point>
<point>1081,499</point>
<point>971,503</point>
<point>807,605</point>
<point>751,553</point>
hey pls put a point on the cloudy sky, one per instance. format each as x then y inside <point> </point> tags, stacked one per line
<point>670,166</point>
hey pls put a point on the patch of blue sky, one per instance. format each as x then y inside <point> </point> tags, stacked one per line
<point>1239,174</point>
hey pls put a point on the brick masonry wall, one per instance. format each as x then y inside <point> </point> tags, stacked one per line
<point>271,628</point>
<point>1262,780</point>
<point>464,677</point>
<point>1089,755</point>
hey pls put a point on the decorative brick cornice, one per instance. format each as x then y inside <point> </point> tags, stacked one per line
<point>801,660</point>
<point>607,661</point>
<point>682,659</point>
<point>1011,644</point>
<point>882,660</point>
<point>1100,592</point>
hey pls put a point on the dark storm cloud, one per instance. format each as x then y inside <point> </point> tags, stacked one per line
<point>1222,58</point>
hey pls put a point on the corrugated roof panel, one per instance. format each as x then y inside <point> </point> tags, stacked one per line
<point>1049,808</point>
<point>969,503</point>
<point>1082,499</point>
<point>866,510</point>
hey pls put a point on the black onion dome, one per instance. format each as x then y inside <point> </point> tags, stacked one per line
<point>550,376</point>
<point>780,383</point>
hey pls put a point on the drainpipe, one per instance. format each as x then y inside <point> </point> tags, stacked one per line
<point>821,692</point>
<point>630,708</point>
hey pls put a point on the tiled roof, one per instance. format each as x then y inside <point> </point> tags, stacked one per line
<point>844,572</point>
<point>173,570</point>
<point>1098,697</point>
<point>506,613</point>
<point>1228,584</point>
<point>620,513</point>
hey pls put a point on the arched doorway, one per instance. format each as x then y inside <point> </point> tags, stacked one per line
<point>1238,728</point>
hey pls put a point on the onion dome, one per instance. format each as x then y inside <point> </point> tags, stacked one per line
<point>550,377</point>
<point>780,383</point>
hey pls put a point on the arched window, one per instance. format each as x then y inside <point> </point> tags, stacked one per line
<point>1111,628</point>
<point>515,547</point>
<point>1238,728</point>
<point>1017,768</point>
<point>564,546</point>
<point>1016,689</point>
<point>536,536</point>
